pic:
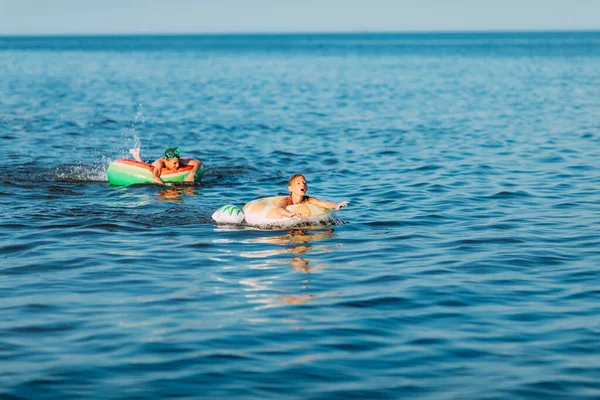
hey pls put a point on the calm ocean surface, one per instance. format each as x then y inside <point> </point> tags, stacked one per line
<point>468,265</point>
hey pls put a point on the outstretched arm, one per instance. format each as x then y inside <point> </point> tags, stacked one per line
<point>327,204</point>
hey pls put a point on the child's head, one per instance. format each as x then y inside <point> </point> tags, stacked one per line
<point>297,185</point>
<point>172,157</point>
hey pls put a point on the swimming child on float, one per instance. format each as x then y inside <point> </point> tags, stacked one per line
<point>297,186</point>
<point>276,210</point>
<point>171,162</point>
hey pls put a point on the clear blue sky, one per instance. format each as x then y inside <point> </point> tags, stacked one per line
<point>230,16</point>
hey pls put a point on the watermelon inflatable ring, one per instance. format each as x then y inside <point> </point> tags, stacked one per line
<point>125,172</point>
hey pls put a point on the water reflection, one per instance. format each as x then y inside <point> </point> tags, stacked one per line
<point>175,193</point>
<point>299,245</point>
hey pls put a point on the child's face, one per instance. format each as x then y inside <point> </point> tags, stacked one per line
<point>298,186</point>
<point>172,163</point>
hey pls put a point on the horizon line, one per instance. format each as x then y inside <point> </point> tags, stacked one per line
<point>299,33</point>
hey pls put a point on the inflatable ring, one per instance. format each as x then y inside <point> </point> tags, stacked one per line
<point>124,172</point>
<point>263,212</point>
<point>228,214</point>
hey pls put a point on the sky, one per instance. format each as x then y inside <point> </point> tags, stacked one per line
<point>60,17</point>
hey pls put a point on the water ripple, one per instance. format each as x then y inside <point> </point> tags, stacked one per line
<point>463,267</point>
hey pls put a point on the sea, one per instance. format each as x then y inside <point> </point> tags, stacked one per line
<point>466,265</point>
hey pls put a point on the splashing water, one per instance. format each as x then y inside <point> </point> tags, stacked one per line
<point>83,173</point>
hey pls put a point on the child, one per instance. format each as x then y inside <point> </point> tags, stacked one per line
<point>170,161</point>
<point>298,187</point>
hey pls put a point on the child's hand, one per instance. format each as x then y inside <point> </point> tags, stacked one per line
<point>295,215</point>
<point>342,204</point>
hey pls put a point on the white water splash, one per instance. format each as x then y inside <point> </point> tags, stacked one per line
<point>83,173</point>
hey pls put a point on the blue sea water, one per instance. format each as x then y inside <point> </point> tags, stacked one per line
<point>467,266</point>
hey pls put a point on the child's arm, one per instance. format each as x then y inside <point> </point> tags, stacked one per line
<point>194,163</point>
<point>327,204</point>
<point>158,166</point>
<point>281,209</point>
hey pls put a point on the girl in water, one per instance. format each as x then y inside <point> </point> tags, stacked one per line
<point>297,186</point>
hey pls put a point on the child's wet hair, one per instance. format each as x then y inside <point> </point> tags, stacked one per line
<point>172,152</point>
<point>294,177</point>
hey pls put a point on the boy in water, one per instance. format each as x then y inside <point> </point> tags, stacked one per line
<point>298,187</point>
<point>171,161</point>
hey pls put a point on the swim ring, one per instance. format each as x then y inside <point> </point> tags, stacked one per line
<point>228,214</point>
<point>262,212</point>
<point>124,172</point>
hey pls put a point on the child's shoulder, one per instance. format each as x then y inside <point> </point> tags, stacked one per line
<point>281,199</point>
